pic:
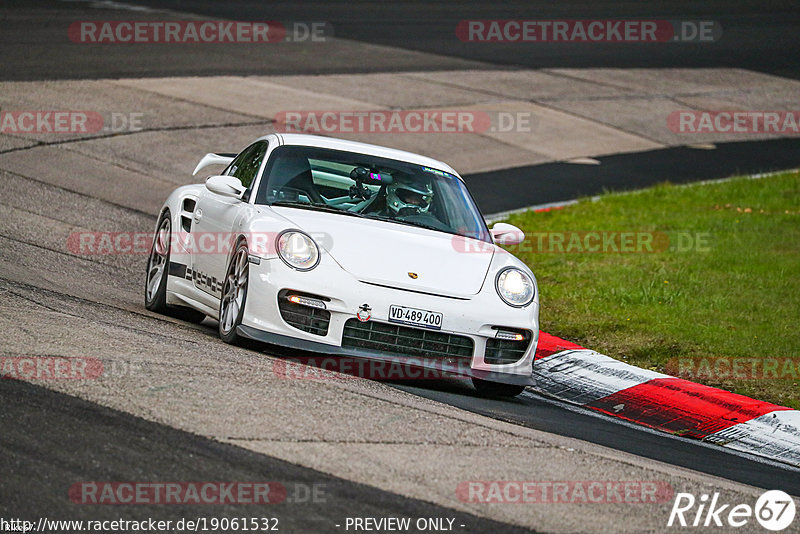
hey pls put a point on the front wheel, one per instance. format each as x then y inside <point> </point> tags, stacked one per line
<point>234,294</point>
<point>155,284</point>
<point>496,389</point>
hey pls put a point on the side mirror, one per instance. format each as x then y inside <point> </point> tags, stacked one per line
<point>227,186</point>
<point>507,234</point>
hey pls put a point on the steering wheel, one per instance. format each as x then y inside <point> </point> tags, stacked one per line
<point>295,192</point>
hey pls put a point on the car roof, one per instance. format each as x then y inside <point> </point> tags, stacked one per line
<point>366,148</point>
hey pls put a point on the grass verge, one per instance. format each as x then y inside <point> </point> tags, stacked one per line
<point>715,298</point>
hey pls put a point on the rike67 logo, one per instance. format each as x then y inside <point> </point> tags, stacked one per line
<point>774,510</point>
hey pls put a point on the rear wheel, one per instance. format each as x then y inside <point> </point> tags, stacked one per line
<point>496,389</point>
<point>155,285</point>
<point>234,294</point>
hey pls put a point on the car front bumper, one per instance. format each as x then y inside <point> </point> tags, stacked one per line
<point>476,317</point>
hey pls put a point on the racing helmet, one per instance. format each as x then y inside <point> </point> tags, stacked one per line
<point>409,196</point>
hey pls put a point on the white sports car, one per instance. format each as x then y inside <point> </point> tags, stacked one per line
<point>348,249</point>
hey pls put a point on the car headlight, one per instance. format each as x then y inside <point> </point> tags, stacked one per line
<point>515,287</point>
<point>297,250</point>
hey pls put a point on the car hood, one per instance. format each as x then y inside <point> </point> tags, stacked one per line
<point>387,253</point>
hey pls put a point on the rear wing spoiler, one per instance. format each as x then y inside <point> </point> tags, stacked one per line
<point>213,159</point>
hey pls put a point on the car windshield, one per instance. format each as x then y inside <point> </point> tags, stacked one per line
<point>371,187</point>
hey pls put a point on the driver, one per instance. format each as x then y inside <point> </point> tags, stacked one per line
<point>409,196</point>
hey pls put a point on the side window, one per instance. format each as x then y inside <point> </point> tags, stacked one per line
<point>245,166</point>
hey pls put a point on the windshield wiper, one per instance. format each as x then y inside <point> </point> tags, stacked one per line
<point>316,206</point>
<point>408,223</point>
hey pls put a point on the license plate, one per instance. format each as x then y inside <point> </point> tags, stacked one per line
<point>415,317</point>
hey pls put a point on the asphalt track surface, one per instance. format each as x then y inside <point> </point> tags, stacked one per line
<point>45,439</point>
<point>559,181</point>
<point>50,437</point>
<point>760,36</point>
<point>541,413</point>
<point>756,37</point>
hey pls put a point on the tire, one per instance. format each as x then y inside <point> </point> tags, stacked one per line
<point>234,296</point>
<point>496,389</point>
<point>155,283</point>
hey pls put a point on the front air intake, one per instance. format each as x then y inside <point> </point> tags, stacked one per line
<point>509,346</point>
<point>301,314</point>
<point>405,341</point>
